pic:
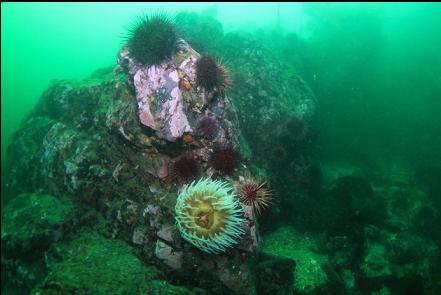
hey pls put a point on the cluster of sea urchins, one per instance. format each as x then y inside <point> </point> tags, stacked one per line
<point>209,216</point>
<point>212,75</point>
<point>152,38</point>
<point>253,193</point>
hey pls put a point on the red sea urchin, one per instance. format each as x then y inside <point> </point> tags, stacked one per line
<point>224,160</point>
<point>186,167</point>
<point>208,127</point>
<point>211,74</point>
<point>252,193</point>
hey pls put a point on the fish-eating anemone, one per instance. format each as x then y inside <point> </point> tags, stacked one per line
<point>209,216</point>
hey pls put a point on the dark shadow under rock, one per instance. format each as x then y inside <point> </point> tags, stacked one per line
<point>274,276</point>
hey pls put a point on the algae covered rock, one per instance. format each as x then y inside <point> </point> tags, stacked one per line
<point>113,143</point>
<point>375,263</point>
<point>90,143</point>
<point>309,275</point>
<point>394,260</point>
<point>30,222</point>
<point>24,158</point>
<point>380,249</point>
<point>265,92</point>
<point>92,264</point>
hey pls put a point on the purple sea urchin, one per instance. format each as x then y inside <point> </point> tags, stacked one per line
<point>152,38</point>
<point>211,74</point>
<point>224,160</point>
<point>209,216</point>
<point>208,127</point>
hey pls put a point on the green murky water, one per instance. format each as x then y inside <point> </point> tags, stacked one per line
<point>375,71</point>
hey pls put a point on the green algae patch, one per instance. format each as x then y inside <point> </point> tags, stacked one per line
<point>92,264</point>
<point>286,242</point>
<point>32,221</point>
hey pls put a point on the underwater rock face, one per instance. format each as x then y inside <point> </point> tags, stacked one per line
<point>90,183</point>
<point>401,256</point>
<point>109,143</point>
<point>263,94</point>
<point>169,102</point>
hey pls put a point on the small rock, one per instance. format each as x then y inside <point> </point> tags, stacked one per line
<point>139,236</point>
<point>167,233</point>
<point>168,255</point>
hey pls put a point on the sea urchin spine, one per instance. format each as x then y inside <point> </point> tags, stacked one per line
<point>152,39</point>
<point>209,216</point>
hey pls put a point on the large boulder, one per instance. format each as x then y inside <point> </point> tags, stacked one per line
<point>110,144</point>
<point>89,139</point>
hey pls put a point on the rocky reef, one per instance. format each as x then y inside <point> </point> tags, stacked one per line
<point>93,175</point>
